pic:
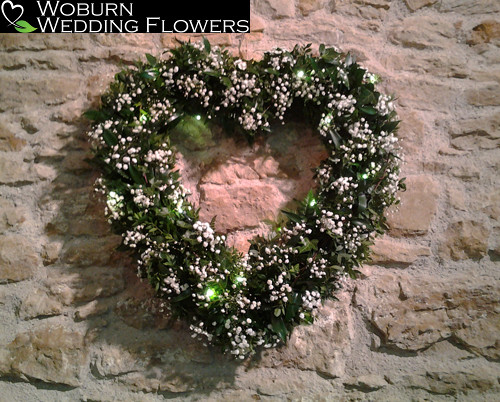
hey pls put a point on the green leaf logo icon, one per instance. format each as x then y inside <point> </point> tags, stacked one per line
<point>24,26</point>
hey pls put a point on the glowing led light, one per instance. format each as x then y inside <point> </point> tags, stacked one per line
<point>312,203</point>
<point>198,117</point>
<point>210,293</point>
<point>240,279</point>
<point>364,176</point>
<point>300,73</point>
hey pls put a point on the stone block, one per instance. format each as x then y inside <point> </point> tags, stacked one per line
<point>484,96</point>
<point>241,205</point>
<point>92,251</point>
<point>39,304</point>
<point>423,32</point>
<point>19,260</point>
<point>8,140</point>
<point>485,32</point>
<point>11,215</point>
<point>275,9</point>
<point>463,240</point>
<point>414,5</point>
<point>84,285</point>
<point>52,354</point>
<point>414,312</point>
<point>14,170</point>
<point>387,251</point>
<point>417,209</point>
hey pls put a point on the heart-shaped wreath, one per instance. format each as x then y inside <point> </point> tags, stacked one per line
<point>243,301</point>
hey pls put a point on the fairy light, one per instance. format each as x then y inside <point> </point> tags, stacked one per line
<point>210,293</point>
<point>197,117</point>
<point>300,73</point>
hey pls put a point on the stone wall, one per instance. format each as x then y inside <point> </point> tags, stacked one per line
<point>422,323</point>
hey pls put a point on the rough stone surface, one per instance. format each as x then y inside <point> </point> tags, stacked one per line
<point>388,251</point>
<point>417,209</point>
<point>465,239</point>
<point>18,259</point>
<point>414,5</point>
<point>420,323</point>
<point>413,316</point>
<point>51,354</point>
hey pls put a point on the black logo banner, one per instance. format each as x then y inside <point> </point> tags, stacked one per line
<point>144,16</point>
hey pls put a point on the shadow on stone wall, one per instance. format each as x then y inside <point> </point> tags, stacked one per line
<point>120,331</point>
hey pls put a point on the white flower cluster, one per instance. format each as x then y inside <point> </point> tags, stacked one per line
<point>282,96</point>
<point>279,289</point>
<point>385,105</point>
<point>311,300</point>
<point>114,205</point>
<point>317,268</point>
<point>141,199</point>
<point>343,185</point>
<point>161,110</point>
<point>206,236</point>
<point>132,237</point>
<point>123,100</point>
<point>331,222</point>
<point>194,87</point>
<point>162,157</point>
<point>343,104</point>
<point>313,89</point>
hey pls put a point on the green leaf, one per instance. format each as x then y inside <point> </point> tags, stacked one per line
<point>25,26</point>
<point>350,59</point>
<point>95,115</point>
<point>362,202</point>
<point>272,71</point>
<point>357,77</point>
<point>149,74</point>
<point>183,224</point>
<point>366,97</point>
<point>390,126</point>
<point>292,306</point>
<point>151,59</point>
<point>310,198</point>
<point>226,81</point>
<point>184,295</point>
<point>207,45</point>
<point>279,328</point>
<point>330,55</point>
<point>308,245</point>
<point>109,138</point>
<point>292,216</point>
<point>212,222</point>
<point>295,269</point>
<point>135,175</point>
<point>368,110</point>
<point>336,138</point>
<point>212,73</point>
<point>277,312</point>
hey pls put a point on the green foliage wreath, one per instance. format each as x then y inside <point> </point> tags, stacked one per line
<point>243,301</point>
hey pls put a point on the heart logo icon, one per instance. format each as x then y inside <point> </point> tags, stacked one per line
<point>10,14</point>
